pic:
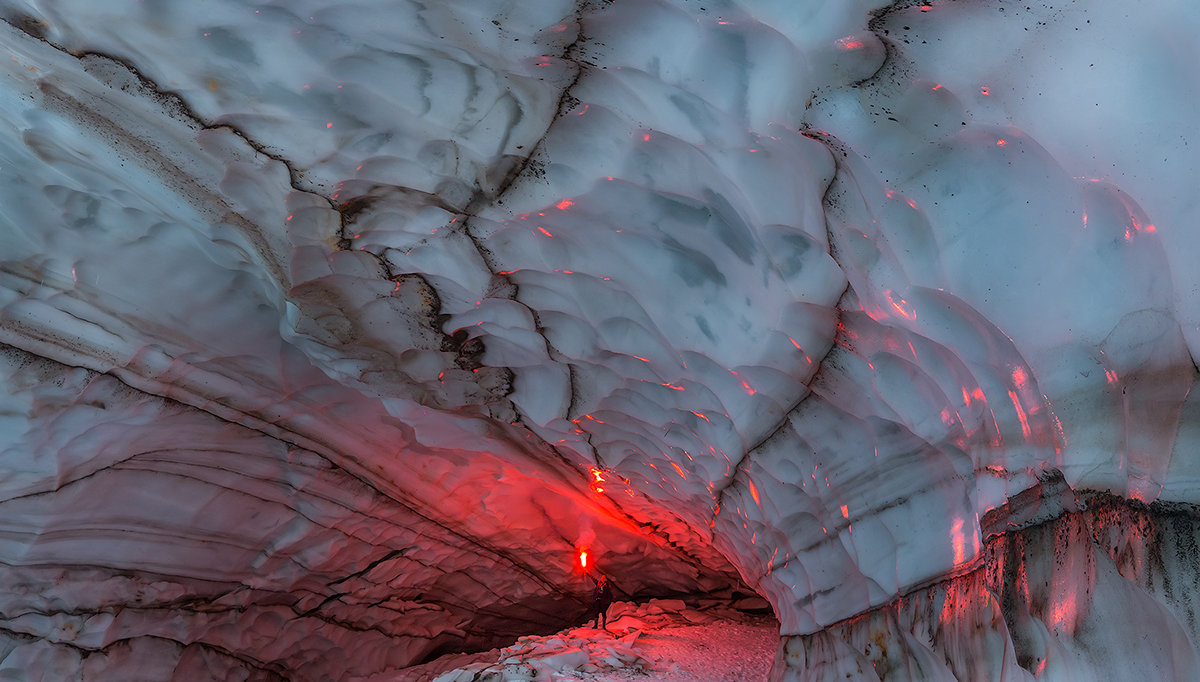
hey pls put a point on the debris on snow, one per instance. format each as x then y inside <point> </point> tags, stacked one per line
<point>662,639</point>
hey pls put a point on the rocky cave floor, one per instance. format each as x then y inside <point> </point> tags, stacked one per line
<point>662,639</point>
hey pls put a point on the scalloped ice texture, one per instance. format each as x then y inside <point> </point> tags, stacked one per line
<point>342,327</point>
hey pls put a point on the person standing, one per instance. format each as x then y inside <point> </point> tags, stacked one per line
<point>602,597</point>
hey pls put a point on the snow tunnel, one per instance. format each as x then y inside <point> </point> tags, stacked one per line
<point>340,340</point>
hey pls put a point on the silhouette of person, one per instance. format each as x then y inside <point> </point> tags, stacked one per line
<point>602,597</point>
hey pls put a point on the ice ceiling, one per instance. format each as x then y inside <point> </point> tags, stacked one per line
<point>332,331</point>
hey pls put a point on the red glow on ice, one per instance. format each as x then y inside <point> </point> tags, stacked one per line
<point>585,108</point>
<point>983,90</point>
<point>754,492</point>
<point>749,389</point>
<point>564,204</point>
<point>845,511</point>
<point>1019,377</point>
<point>947,416</point>
<point>1141,496</point>
<point>956,536</point>
<point>926,8</point>
<point>544,231</point>
<point>598,478</point>
<point>901,306</point>
<point>328,126</point>
<point>1001,142</point>
<point>698,415</point>
<point>679,470</point>
<point>794,343</point>
<point>1151,228</point>
<point>673,387</point>
<point>1025,430</point>
<point>851,44</point>
<point>1063,612</point>
<point>646,137</point>
<point>583,558</point>
<point>937,87</point>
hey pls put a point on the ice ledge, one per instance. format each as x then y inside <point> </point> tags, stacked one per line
<point>1049,499</point>
<point>1058,570</point>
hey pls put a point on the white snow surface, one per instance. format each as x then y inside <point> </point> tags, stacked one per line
<point>657,640</point>
<point>331,332</point>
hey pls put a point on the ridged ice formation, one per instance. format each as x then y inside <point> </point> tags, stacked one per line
<point>333,331</point>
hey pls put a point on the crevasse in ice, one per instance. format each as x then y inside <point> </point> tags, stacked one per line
<point>333,332</point>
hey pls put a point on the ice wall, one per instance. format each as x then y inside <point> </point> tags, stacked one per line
<point>334,330</point>
<point>1070,588</point>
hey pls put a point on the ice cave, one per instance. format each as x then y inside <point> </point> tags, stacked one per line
<point>337,335</point>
